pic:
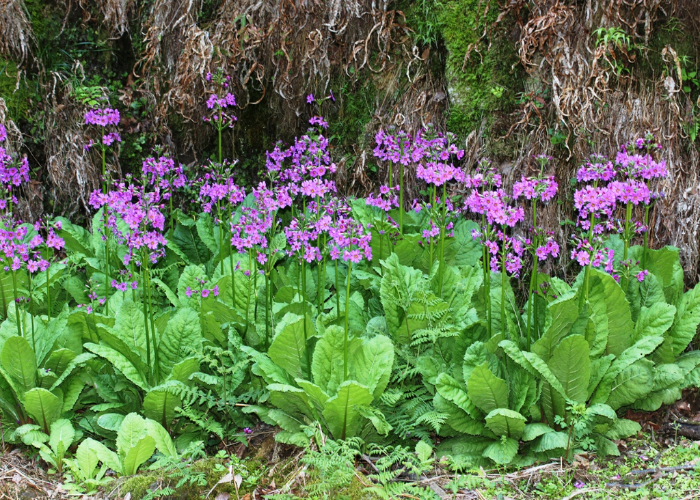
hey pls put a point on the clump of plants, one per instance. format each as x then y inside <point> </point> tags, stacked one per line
<point>373,323</point>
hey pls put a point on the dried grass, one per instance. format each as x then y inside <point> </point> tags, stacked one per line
<point>16,36</point>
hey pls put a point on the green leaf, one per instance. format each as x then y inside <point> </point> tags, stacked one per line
<point>341,414</point>
<point>120,362</point>
<point>167,292</point>
<point>563,313</point>
<point>452,391</point>
<point>571,364</point>
<point>62,433</point>
<point>206,233</point>
<point>18,360</point>
<point>59,360</point>
<point>487,391</point>
<point>129,326</point>
<point>161,401</point>
<point>163,441</point>
<point>551,441</point>
<point>640,349</point>
<point>182,339</point>
<point>104,454</point>
<point>288,349</point>
<point>110,421</point>
<point>502,451</point>
<point>654,320</point>
<point>372,365</point>
<point>609,305</point>
<point>632,383</point>
<point>685,326</point>
<point>43,406</point>
<point>535,430</point>
<point>504,422</point>
<point>137,455</point>
<point>190,244</point>
<point>622,429</point>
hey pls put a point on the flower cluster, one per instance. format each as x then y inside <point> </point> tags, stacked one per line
<point>103,117</point>
<point>533,188</point>
<point>163,173</point>
<point>219,101</point>
<point>386,199</point>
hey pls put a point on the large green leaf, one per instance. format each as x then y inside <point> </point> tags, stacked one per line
<point>504,422</point>
<point>687,319</point>
<point>632,383</point>
<point>487,391</point>
<point>571,364</point>
<point>665,265</point>
<point>452,391</point>
<point>120,362</point>
<point>341,413</point>
<point>43,406</point>
<point>181,339</point>
<point>190,244</point>
<point>372,364</point>
<point>138,454</point>
<point>129,326</point>
<point>328,358</point>
<point>18,360</point>
<point>289,347</point>
<point>59,360</point>
<point>161,401</point>
<point>563,313</point>
<point>463,250</point>
<point>163,441</point>
<point>502,451</point>
<point>641,348</point>
<point>62,433</point>
<point>654,320</point>
<point>608,303</point>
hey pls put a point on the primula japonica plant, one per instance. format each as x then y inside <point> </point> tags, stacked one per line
<point>202,312</point>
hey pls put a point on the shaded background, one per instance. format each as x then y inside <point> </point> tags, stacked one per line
<point>512,78</point>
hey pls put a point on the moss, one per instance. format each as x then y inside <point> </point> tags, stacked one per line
<point>486,84</point>
<point>17,101</point>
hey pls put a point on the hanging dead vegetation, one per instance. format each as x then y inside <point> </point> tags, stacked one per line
<point>15,30</point>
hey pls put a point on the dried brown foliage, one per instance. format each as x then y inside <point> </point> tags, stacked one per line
<point>15,30</point>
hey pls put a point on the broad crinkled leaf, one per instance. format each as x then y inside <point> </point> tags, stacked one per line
<point>654,320</point>
<point>687,319</point>
<point>161,401</point>
<point>632,383</point>
<point>289,347</point>
<point>502,451</point>
<point>571,364</point>
<point>43,406</point>
<point>563,313</point>
<point>640,349</point>
<point>130,327</point>
<point>18,360</point>
<point>504,422</point>
<point>120,362</point>
<point>454,392</point>
<point>487,391</point>
<point>182,339</point>
<point>328,358</point>
<point>340,413</point>
<point>372,364</point>
<point>163,441</point>
<point>61,432</point>
<point>608,302</point>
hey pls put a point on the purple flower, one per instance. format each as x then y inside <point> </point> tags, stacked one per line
<point>247,430</point>
<point>188,292</point>
<point>579,484</point>
<point>205,293</point>
<point>310,99</point>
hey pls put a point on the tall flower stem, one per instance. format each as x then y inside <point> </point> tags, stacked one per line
<point>504,323</point>
<point>347,316</point>
<point>400,197</point>
<point>646,236</point>
<point>48,287</point>
<point>152,320</point>
<point>31,315</point>
<point>628,237</point>
<point>145,317</point>
<point>443,223</point>
<point>221,236</point>
<point>533,284</point>
<point>303,308</point>
<point>337,289</point>
<point>487,276</point>
<point>14,285</point>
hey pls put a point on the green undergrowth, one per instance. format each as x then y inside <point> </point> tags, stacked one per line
<point>308,477</point>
